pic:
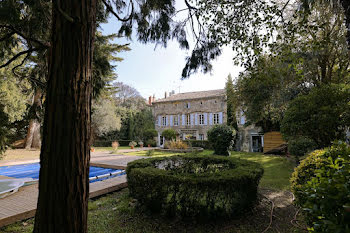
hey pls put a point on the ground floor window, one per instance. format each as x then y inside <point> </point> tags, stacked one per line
<point>201,136</point>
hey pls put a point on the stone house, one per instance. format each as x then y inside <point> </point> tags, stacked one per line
<point>192,114</point>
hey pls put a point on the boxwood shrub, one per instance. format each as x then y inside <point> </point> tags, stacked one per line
<point>321,185</point>
<point>198,186</point>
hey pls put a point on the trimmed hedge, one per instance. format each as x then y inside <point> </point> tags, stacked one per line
<point>205,144</point>
<point>321,185</point>
<point>108,143</point>
<point>195,186</point>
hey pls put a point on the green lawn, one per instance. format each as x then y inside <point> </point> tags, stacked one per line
<point>109,148</point>
<point>277,170</point>
<point>155,153</point>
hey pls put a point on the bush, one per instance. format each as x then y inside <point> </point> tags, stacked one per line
<point>323,189</point>
<point>195,186</point>
<point>175,144</point>
<point>150,134</point>
<point>301,146</point>
<point>221,138</point>
<point>169,134</point>
<point>149,152</point>
<point>205,144</point>
<point>151,142</point>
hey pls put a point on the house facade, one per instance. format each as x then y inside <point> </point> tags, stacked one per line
<point>192,114</point>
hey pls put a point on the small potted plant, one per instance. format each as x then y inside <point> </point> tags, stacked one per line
<point>132,144</point>
<point>141,144</point>
<point>115,145</point>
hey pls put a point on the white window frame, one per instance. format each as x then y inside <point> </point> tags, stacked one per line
<point>164,121</point>
<point>188,119</point>
<point>176,120</point>
<point>201,137</point>
<point>216,118</point>
<point>201,119</point>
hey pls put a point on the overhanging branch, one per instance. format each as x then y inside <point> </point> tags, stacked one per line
<point>18,55</point>
<point>110,9</point>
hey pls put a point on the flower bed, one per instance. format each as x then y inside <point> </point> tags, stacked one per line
<point>195,186</point>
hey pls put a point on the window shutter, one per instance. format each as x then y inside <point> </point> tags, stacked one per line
<point>210,118</point>
<point>189,105</point>
<point>196,119</point>
<point>183,120</point>
<point>191,119</point>
<point>171,120</point>
<point>178,119</point>
<point>205,118</point>
<point>159,120</point>
<point>220,117</point>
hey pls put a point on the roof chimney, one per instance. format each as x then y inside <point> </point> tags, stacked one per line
<point>165,95</point>
<point>150,100</point>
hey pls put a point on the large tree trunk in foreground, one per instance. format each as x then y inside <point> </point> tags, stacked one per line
<point>63,182</point>
<point>33,138</point>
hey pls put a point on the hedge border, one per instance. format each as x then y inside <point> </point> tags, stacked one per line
<point>226,193</point>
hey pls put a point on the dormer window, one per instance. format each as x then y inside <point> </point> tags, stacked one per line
<point>187,105</point>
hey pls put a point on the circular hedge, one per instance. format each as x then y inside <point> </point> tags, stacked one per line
<point>195,186</point>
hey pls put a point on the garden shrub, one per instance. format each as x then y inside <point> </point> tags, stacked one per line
<point>175,144</point>
<point>205,144</point>
<point>169,134</point>
<point>198,186</point>
<point>300,146</point>
<point>321,185</point>
<point>221,138</point>
<point>107,143</point>
<point>151,142</point>
<point>150,134</point>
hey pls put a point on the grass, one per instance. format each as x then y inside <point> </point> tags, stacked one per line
<point>155,153</point>
<point>277,170</point>
<point>102,149</point>
<point>118,213</point>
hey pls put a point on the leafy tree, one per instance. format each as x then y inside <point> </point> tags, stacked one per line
<point>322,115</point>
<point>169,134</point>
<point>104,118</point>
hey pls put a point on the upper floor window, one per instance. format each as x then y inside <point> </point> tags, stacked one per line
<point>216,118</point>
<point>187,105</point>
<point>164,121</point>
<point>201,119</point>
<point>176,120</point>
<point>188,119</point>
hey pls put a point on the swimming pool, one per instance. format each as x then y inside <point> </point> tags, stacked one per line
<point>32,171</point>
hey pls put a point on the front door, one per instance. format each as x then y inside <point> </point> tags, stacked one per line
<point>257,143</point>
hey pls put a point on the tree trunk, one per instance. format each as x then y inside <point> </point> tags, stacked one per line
<point>65,152</point>
<point>33,139</point>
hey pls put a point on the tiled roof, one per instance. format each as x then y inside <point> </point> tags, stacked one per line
<point>192,95</point>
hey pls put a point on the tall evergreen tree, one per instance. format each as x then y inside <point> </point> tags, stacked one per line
<point>231,102</point>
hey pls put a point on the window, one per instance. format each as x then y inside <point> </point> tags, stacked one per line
<point>201,136</point>
<point>176,120</point>
<point>164,121</point>
<point>188,119</point>
<point>216,118</point>
<point>201,119</point>
<point>187,105</point>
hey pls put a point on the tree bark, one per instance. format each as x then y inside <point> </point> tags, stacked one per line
<point>33,138</point>
<point>65,152</point>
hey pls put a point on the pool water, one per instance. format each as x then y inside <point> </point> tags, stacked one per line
<point>32,171</point>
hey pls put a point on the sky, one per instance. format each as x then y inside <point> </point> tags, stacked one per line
<point>156,70</point>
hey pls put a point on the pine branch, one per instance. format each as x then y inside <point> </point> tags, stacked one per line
<point>110,9</point>
<point>18,55</point>
<point>28,38</point>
